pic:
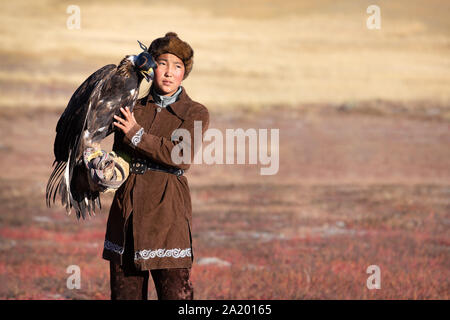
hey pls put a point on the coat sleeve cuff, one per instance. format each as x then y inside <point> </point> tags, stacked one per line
<point>134,136</point>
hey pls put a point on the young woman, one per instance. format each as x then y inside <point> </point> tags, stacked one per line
<point>149,224</point>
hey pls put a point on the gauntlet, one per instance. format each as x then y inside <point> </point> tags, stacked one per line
<point>106,171</point>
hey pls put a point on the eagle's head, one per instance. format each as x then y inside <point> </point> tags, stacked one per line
<point>144,63</point>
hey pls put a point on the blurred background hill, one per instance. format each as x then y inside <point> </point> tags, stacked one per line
<point>258,53</point>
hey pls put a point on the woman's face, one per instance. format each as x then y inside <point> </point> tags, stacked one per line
<point>168,74</point>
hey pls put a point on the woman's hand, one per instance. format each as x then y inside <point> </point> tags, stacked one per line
<point>125,124</point>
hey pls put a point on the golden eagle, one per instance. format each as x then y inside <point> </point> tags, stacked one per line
<point>86,121</point>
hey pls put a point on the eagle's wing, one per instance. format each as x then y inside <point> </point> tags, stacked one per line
<point>69,129</point>
<point>70,125</point>
<point>113,91</point>
<point>106,100</point>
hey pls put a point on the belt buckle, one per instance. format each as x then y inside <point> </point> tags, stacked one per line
<point>138,166</point>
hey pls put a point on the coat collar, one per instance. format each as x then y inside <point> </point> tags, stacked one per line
<point>164,101</point>
<point>179,107</point>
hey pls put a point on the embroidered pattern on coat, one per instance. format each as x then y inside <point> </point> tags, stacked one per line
<point>162,253</point>
<point>137,137</point>
<point>113,247</point>
<point>150,254</point>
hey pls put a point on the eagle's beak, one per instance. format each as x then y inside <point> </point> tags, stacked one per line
<point>148,74</point>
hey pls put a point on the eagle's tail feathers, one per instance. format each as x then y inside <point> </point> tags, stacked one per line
<point>99,204</point>
<point>88,203</point>
<point>77,207</point>
<point>83,202</point>
<point>64,186</point>
<point>92,203</point>
<point>80,210</point>
<point>58,182</point>
<point>54,181</point>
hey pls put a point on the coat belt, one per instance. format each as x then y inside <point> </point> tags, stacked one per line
<point>140,166</point>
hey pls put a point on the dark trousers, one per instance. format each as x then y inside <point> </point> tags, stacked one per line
<point>128,283</point>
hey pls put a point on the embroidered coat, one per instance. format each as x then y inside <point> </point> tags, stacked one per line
<point>160,201</point>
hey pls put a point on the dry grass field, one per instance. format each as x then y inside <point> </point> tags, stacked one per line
<point>364,122</point>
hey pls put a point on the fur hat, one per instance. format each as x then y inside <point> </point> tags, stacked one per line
<point>170,43</point>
